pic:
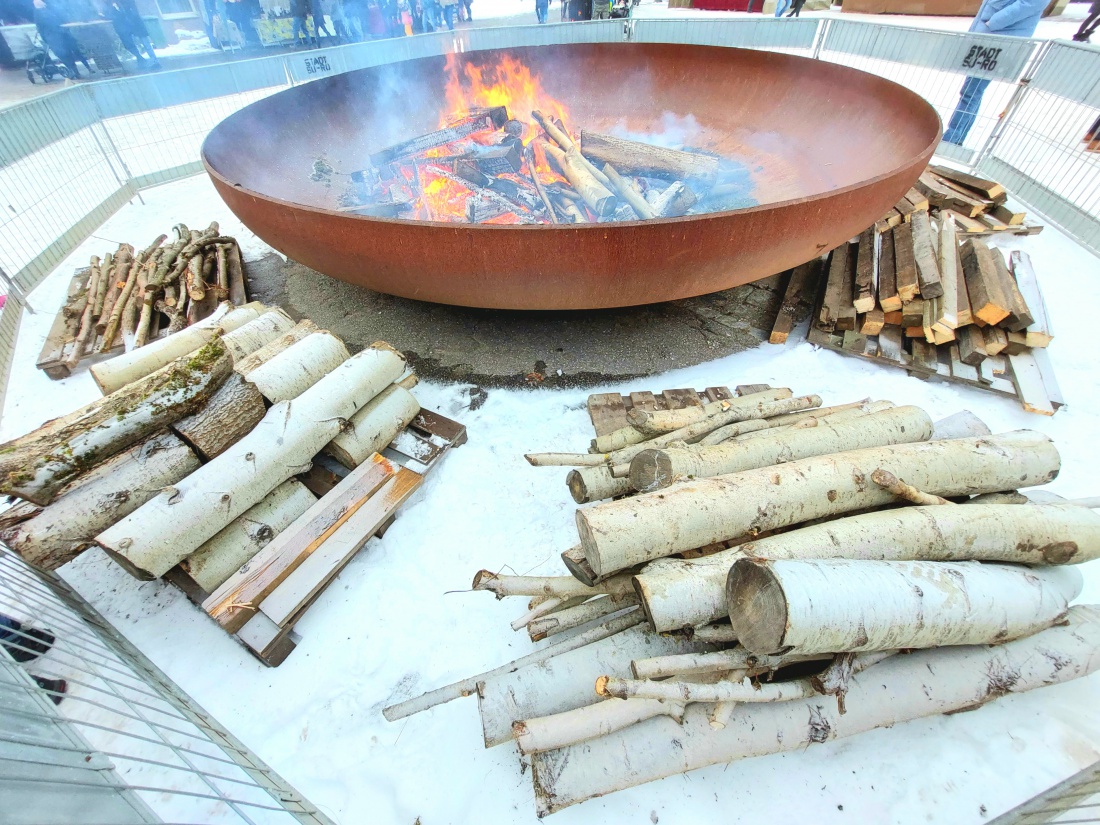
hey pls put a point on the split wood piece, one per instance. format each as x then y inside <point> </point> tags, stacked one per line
<point>620,534</point>
<point>890,344</point>
<point>284,603</point>
<point>62,530</point>
<point>571,727</point>
<point>912,314</point>
<point>1029,384</point>
<point>645,160</point>
<point>666,204</point>
<point>718,661</point>
<point>573,617</point>
<point>301,365</point>
<point>845,311</point>
<point>941,195</point>
<point>267,641</point>
<point>238,289</point>
<point>872,323</point>
<point>972,345</point>
<point>962,298</point>
<point>37,465</point>
<point>465,687</point>
<point>477,121</point>
<point>269,350</point>
<point>889,605</point>
<point>918,200</point>
<point>1007,216</point>
<point>225,419</point>
<point>588,484</point>
<point>905,265</point>
<point>529,156</point>
<point>134,365</point>
<point>924,254</point>
<point>625,190</point>
<point>1050,381</point>
<point>597,196</point>
<point>1019,315</point>
<point>863,293</point>
<point>991,190</point>
<point>232,547</point>
<point>915,685</point>
<point>1017,344</point>
<point>232,604</point>
<point>988,302</point>
<point>249,337</point>
<point>654,469</point>
<point>65,327</point>
<point>374,426</point>
<point>174,524</point>
<point>948,256</point>
<point>677,593</point>
<point>905,209</point>
<point>802,277</point>
<point>1040,332</point>
<point>87,318</point>
<point>895,486</point>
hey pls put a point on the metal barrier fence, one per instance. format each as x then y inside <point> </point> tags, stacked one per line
<point>122,744</point>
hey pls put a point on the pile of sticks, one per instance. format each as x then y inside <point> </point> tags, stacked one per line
<point>597,178</point>
<point>728,611</point>
<point>245,441</point>
<point>128,297</point>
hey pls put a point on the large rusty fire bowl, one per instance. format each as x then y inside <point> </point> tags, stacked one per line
<point>829,149</point>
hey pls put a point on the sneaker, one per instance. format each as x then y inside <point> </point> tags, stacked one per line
<point>56,687</point>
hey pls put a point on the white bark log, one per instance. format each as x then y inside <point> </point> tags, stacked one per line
<point>653,469</point>
<point>300,366</point>
<point>688,693</point>
<point>547,733</point>
<point>659,422</point>
<point>620,534</point>
<point>734,430</point>
<point>565,459</point>
<point>272,348</point>
<point>719,661</point>
<point>101,497</point>
<point>227,417</point>
<point>963,424</point>
<point>595,484</point>
<point>176,523</point>
<point>623,437</point>
<point>220,557</point>
<point>678,593</point>
<point>374,426</point>
<point>572,617</point>
<point>131,366</point>
<point>541,609</point>
<point>715,633</point>
<point>555,586</point>
<point>840,412</point>
<point>839,605</point>
<point>902,688</point>
<point>248,338</point>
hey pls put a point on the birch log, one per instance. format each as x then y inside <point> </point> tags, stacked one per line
<point>687,692</point>
<point>269,350</point>
<point>220,557</point>
<point>298,367</point>
<point>719,661</point>
<point>248,338</point>
<point>177,522</point>
<point>374,426</point>
<point>595,483</point>
<point>620,534</point>
<point>678,593</point>
<point>227,417</point>
<point>896,690</point>
<point>131,366</point>
<point>107,493</point>
<point>841,412</point>
<point>840,605</point>
<point>659,422</point>
<point>622,437</point>
<point>547,733</point>
<point>963,424</point>
<point>36,466</point>
<point>555,586</point>
<point>541,627</point>
<point>654,469</point>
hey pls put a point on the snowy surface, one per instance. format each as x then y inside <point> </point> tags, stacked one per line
<point>397,622</point>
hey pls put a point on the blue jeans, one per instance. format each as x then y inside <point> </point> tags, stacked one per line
<point>449,16</point>
<point>781,7</point>
<point>300,29</point>
<point>970,100</point>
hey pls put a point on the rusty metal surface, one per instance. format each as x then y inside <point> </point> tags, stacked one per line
<point>828,149</point>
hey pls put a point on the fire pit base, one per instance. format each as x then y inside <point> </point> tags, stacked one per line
<point>501,348</point>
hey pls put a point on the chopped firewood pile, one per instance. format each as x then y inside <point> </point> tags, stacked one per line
<point>478,169</point>
<point>919,291</point>
<point>128,298</point>
<point>779,573</point>
<point>246,460</point>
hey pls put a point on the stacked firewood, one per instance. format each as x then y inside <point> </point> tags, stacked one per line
<point>728,611</point>
<point>499,179</point>
<point>203,458</point>
<point>127,297</point>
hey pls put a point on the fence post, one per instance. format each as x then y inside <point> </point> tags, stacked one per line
<point>1013,103</point>
<point>823,26</point>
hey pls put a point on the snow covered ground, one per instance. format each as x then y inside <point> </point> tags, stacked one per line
<point>397,622</point>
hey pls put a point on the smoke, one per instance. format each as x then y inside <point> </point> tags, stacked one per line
<point>675,132</point>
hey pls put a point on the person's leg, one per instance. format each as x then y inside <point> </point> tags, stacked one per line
<point>148,45</point>
<point>966,112</point>
<point>781,7</point>
<point>449,16</point>
<point>299,26</point>
<point>1087,27</point>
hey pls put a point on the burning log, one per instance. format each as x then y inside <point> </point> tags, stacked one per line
<point>625,190</point>
<point>529,156</point>
<point>666,204</point>
<point>477,121</point>
<point>486,192</point>
<point>594,193</point>
<point>633,158</point>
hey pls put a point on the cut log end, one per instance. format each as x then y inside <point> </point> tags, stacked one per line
<point>651,470</point>
<point>757,605</point>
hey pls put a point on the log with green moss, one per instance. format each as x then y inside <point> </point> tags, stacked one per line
<point>37,465</point>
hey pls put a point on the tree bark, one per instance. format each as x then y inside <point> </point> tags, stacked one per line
<point>87,319</point>
<point>173,525</point>
<point>220,557</point>
<point>622,437</point>
<point>106,271</point>
<point>119,271</point>
<point>840,412</point>
<point>625,190</point>
<point>273,348</point>
<point>903,688</point>
<point>688,692</point>
<point>36,466</point>
<point>105,494</point>
<point>548,733</point>
<point>227,417</point>
<point>131,366</point>
<point>620,534</point>
<point>596,483</point>
<point>565,459</point>
<point>376,425</point>
<point>248,338</point>
<point>598,197</point>
<point>896,487</point>
<point>659,422</point>
<point>840,605</point>
<point>556,586</point>
<point>653,469</point>
<point>300,366</point>
<point>567,619</point>
<point>720,661</point>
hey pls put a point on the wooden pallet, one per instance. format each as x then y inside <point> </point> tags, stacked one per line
<point>608,409</point>
<point>418,449</point>
<point>66,324</point>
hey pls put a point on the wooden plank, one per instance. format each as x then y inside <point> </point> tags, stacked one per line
<point>1040,332</point>
<point>992,223</point>
<point>1050,383</point>
<point>968,225</point>
<point>1029,384</point>
<point>987,301</point>
<point>643,401</point>
<point>948,255</point>
<point>267,641</point>
<point>988,189</point>
<point>971,345</point>
<point>959,368</point>
<point>888,297</point>
<point>996,339</point>
<point>905,208</point>
<point>924,355</point>
<point>1017,343</point>
<point>608,412</point>
<point>944,196</point>
<point>679,399</point>
<point>890,344</point>
<point>917,199</point>
<point>241,594</point>
<point>801,276</point>
<point>833,297</point>
<point>453,432</point>
<point>1005,215</point>
<point>749,389</point>
<point>863,289</point>
<point>872,322</point>
<point>313,575</point>
<point>924,253</point>
<point>718,393</point>
<point>904,262</point>
<point>187,585</point>
<point>912,313</point>
<point>854,342</point>
<point>893,318</point>
<point>66,324</point>
<point>872,348</point>
<point>1019,316</point>
<point>962,315</point>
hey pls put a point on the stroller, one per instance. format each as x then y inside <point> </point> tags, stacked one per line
<point>43,65</point>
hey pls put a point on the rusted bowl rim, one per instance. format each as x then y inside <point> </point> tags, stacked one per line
<point>771,205</point>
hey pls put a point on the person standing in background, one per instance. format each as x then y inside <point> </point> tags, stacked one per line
<point>1013,18</point>
<point>1090,24</point>
<point>448,7</point>
<point>335,10</point>
<point>781,7</point>
<point>50,21</point>
<point>796,8</point>
<point>317,12</point>
<point>300,10</point>
<point>542,8</point>
<point>131,31</point>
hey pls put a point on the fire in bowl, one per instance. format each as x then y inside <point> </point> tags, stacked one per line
<point>577,176</point>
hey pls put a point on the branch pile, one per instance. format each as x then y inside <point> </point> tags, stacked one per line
<point>754,590</point>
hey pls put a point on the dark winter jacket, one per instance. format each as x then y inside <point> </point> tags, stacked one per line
<point>126,18</point>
